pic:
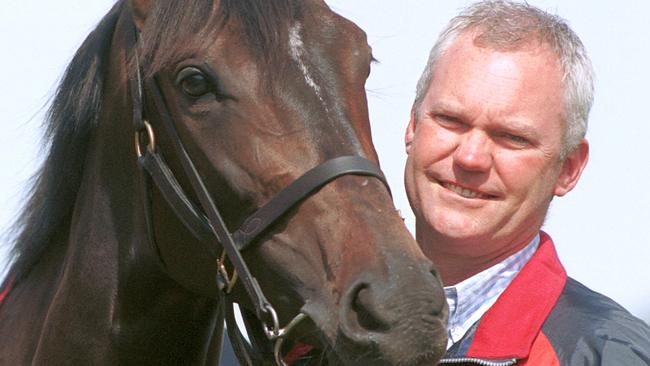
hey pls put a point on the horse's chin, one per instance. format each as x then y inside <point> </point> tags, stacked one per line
<point>391,352</point>
<point>425,349</point>
<point>370,357</point>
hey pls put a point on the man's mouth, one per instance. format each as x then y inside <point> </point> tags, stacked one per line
<point>465,192</point>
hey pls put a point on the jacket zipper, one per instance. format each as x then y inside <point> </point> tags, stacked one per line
<point>477,361</point>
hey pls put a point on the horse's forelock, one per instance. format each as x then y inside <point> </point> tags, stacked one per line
<point>265,24</point>
<point>174,29</point>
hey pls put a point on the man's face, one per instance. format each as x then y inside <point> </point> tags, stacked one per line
<point>484,153</point>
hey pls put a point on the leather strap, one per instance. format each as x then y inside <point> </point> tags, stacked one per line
<point>246,355</point>
<point>300,189</point>
<point>194,220</point>
<point>220,230</point>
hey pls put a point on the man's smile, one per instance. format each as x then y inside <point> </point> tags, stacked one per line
<point>466,192</point>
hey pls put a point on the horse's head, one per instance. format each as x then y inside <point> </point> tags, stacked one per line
<point>261,92</point>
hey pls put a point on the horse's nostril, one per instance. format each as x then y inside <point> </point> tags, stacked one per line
<point>402,313</point>
<point>368,310</point>
<point>436,281</point>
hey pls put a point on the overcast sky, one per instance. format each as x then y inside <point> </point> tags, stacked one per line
<point>601,229</point>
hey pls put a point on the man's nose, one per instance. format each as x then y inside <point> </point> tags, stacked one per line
<point>474,152</point>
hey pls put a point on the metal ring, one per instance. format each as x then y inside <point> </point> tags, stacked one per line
<point>277,334</point>
<point>279,360</point>
<point>272,334</point>
<point>151,143</point>
<point>282,335</point>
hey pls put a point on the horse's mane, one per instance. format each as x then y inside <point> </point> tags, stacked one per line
<point>70,119</point>
<point>77,103</point>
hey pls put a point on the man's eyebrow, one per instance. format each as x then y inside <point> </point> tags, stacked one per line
<point>516,125</point>
<point>445,106</point>
<point>512,124</point>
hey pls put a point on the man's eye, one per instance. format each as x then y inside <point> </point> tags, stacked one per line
<point>515,140</point>
<point>448,121</point>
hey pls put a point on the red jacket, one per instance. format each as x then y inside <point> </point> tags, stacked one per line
<point>546,318</point>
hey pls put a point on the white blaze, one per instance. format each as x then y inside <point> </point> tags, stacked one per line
<point>297,53</point>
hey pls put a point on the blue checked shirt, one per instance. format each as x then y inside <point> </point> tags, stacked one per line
<point>471,298</point>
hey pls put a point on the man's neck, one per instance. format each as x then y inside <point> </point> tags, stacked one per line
<point>459,260</point>
<point>455,270</point>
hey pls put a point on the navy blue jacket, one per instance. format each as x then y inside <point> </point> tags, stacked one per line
<point>546,318</point>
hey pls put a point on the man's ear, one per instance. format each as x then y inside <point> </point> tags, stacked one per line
<point>141,10</point>
<point>410,131</point>
<point>572,167</point>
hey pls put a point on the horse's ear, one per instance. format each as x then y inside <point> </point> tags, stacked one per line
<point>141,9</point>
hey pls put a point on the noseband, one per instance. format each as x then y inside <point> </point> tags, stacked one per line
<point>207,224</point>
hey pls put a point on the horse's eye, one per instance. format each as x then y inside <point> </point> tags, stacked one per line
<point>193,82</point>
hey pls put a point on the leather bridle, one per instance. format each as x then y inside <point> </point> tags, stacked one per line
<point>207,224</point>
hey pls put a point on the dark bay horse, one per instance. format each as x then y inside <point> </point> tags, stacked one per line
<point>123,257</point>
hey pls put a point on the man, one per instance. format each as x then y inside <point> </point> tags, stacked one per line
<point>496,131</point>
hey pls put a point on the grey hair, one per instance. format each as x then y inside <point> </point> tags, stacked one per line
<point>508,26</point>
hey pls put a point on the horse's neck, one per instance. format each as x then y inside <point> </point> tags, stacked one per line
<point>26,308</point>
<point>147,316</point>
<point>65,305</point>
<point>98,296</point>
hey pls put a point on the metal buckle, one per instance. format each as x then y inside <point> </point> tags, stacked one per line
<point>225,281</point>
<point>151,139</point>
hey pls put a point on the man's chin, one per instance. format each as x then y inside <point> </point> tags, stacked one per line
<point>460,229</point>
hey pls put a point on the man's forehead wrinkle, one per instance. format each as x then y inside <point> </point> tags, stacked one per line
<point>492,116</point>
<point>472,107</point>
<point>504,68</point>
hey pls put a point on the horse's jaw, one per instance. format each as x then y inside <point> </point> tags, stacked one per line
<point>384,307</point>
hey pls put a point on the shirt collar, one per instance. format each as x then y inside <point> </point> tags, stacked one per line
<point>470,299</point>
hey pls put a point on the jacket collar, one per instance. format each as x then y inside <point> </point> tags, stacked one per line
<point>509,327</point>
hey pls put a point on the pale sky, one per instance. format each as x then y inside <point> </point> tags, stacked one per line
<point>601,229</point>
